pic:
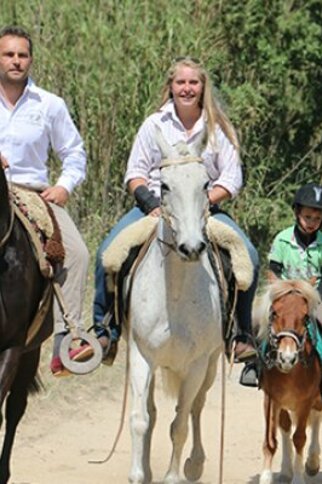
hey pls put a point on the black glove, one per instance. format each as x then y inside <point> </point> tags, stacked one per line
<point>145,199</point>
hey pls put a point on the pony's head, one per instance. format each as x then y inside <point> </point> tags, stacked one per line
<point>283,312</point>
<point>184,198</point>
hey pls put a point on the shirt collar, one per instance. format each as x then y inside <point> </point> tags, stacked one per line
<point>169,111</point>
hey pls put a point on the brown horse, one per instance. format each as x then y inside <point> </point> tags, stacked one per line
<point>291,376</point>
<point>21,290</point>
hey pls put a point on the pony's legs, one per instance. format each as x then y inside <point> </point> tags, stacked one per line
<point>270,441</point>
<point>193,467</point>
<point>287,446</point>
<point>179,428</point>
<point>143,416</point>
<point>312,465</point>
<point>15,407</point>
<point>299,440</point>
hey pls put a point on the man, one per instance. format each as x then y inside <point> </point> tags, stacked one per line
<point>33,121</point>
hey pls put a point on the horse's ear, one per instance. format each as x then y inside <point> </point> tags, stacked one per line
<point>271,277</point>
<point>165,148</point>
<point>200,143</point>
<point>312,280</point>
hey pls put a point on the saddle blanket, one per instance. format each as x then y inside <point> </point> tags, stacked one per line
<point>40,222</point>
<point>218,233</point>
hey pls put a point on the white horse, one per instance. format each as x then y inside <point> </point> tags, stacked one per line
<point>175,318</point>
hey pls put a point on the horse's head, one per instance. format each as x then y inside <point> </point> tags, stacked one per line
<point>184,200</point>
<point>291,305</point>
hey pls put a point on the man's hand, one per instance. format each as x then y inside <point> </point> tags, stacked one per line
<point>4,162</point>
<point>58,195</point>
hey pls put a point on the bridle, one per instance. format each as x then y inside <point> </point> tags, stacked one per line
<point>164,213</point>
<point>269,358</point>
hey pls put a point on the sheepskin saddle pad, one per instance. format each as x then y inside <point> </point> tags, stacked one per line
<point>40,223</point>
<point>218,233</point>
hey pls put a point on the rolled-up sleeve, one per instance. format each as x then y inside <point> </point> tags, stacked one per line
<point>144,154</point>
<point>230,175</point>
<point>69,147</point>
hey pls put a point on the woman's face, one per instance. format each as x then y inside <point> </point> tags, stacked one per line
<point>186,88</point>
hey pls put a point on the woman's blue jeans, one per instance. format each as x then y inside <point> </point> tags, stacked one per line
<point>104,301</point>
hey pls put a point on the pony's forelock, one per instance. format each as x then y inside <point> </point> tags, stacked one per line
<point>278,289</point>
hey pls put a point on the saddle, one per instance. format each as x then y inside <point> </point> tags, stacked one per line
<point>227,254</point>
<point>39,221</point>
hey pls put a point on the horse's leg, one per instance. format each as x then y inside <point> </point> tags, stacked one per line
<point>299,440</point>
<point>287,446</point>
<point>193,467</point>
<point>152,411</point>
<point>141,376</point>
<point>270,441</point>
<point>9,362</point>
<point>179,428</point>
<point>312,465</point>
<point>15,407</point>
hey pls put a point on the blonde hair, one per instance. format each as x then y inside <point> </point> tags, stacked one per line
<point>214,112</point>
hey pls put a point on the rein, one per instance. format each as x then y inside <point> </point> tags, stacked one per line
<point>8,233</point>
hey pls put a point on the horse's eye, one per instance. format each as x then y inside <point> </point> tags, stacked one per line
<point>206,185</point>
<point>164,187</point>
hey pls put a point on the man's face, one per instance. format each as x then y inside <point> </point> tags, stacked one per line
<point>15,60</point>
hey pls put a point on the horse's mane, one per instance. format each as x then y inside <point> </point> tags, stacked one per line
<point>275,291</point>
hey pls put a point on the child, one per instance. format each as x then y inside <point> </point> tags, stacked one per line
<point>296,252</point>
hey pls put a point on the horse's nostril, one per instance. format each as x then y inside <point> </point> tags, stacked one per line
<point>183,248</point>
<point>202,247</point>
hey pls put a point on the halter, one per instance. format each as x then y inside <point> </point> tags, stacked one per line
<point>164,215</point>
<point>270,356</point>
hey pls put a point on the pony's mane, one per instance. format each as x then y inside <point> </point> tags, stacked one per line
<point>276,290</point>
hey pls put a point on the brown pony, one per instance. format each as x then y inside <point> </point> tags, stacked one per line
<point>291,376</point>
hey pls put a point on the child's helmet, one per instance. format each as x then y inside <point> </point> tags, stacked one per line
<point>309,195</point>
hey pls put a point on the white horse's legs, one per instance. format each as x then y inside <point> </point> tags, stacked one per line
<point>312,464</point>
<point>179,427</point>
<point>193,467</point>
<point>142,384</point>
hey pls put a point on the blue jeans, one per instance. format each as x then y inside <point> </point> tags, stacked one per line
<point>244,298</point>
<point>104,301</point>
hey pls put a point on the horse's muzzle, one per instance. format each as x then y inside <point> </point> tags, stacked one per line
<point>191,253</point>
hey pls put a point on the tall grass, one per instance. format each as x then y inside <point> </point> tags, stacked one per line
<point>108,60</point>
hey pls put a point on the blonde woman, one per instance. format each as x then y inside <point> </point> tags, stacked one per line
<point>187,107</point>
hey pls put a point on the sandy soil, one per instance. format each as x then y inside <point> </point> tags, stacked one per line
<point>76,419</point>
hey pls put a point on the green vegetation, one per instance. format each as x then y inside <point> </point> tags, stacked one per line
<point>108,58</point>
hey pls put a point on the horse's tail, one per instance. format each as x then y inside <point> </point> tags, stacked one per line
<point>36,385</point>
<point>170,382</point>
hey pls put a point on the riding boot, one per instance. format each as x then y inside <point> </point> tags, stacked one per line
<point>249,375</point>
<point>245,349</point>
<point>108,334</point>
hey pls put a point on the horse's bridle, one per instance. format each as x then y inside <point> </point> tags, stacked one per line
<point>270,356</point>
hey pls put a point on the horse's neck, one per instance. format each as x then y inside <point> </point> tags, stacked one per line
<point>4,204</point>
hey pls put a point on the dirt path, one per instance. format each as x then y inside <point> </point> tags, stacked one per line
<point>77,418</point>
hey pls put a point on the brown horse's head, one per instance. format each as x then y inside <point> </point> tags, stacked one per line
<point>284,311</point>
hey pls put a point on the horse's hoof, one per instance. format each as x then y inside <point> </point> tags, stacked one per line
<point>193,470</point>
<point>266,477</point>
<point>311,472</point>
